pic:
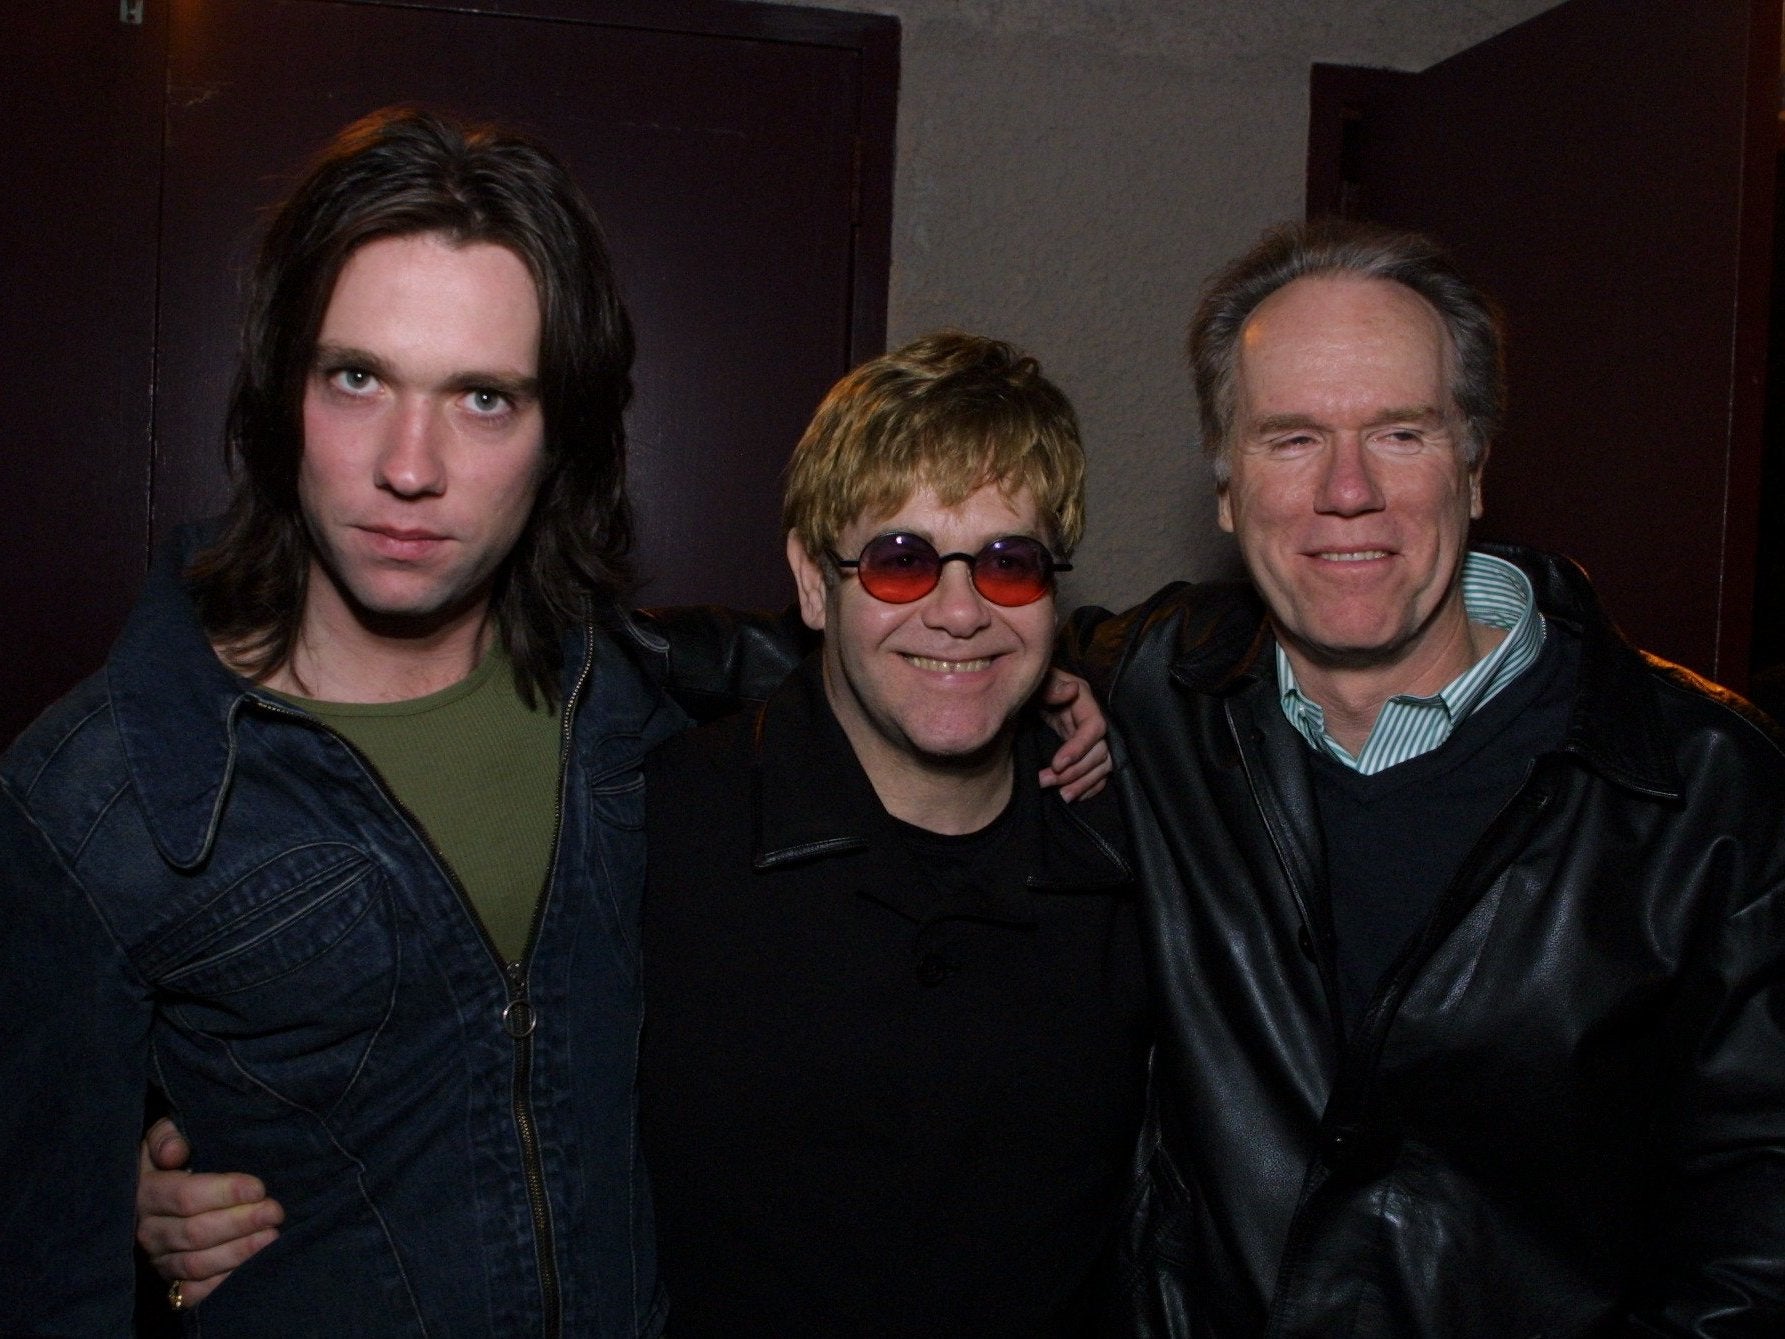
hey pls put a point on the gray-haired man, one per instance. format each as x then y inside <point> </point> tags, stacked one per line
<point>1467,916</point>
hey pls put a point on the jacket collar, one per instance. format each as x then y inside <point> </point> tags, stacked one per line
<point>1224,647</point>
<point>179,711</point>
<point>813,801</point>
<point>1616,724</point>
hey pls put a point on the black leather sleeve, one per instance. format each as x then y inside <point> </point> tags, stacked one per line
<point>723,660</point>
<point>1149,1293</point>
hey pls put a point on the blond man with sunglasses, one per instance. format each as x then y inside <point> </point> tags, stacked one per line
<point>893,1058</point>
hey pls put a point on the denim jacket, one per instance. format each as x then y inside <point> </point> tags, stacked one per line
<point>207,893</point>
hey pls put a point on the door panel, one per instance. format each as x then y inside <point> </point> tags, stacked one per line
<point>82,107</point>
<point>1605,169</point>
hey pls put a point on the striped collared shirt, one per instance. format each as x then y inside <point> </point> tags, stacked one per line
<point>1494,592</point>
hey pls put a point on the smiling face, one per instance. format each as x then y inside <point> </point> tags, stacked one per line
<point>931,687</point>
<point>1348,493</point>
<point>423,433</point>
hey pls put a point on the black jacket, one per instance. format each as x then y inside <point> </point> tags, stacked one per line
<point>874,1104</point>
<point>1563,1112</point>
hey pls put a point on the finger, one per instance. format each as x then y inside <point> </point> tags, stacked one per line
<point>209,1267</point>
<point>186,1194</point>
<point>172,1234</point>
<point>164,1146</point>
<point>1078,749</point>
<point>1066,766</point>
<point>1096,759</point>
<point>1060,688</point>
<point>1085,776</point>
<point>1089,784</point>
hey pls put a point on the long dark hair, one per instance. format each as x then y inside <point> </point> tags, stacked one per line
<point>398,172</point>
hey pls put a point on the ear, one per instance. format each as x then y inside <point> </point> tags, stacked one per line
<point>1475,485</point>
<point>808,579</point>
<point>1224,508</point>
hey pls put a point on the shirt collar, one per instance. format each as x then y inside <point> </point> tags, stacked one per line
<point>1494,592</point>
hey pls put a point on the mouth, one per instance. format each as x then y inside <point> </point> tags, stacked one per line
<point>401,535</point>
<point>936,665</point>
<point>399,542</point>
<point>1348,555</point>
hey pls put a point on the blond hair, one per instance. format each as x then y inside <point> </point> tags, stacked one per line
<point>950,411</point>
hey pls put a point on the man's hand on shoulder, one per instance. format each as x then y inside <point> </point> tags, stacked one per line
<point>197,1227</point>
<point>1082,765</point>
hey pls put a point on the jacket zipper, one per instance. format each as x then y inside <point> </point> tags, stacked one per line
<point>550,1295</point>
<point>517,1019</point>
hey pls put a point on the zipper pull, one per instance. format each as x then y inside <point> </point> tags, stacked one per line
<point>518,1017</point>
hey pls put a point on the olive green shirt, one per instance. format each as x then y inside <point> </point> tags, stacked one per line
<point>479,772</point>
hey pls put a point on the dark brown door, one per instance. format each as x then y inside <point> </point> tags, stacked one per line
<point>739,154</point>
<point>81,101</point>
<point>1606,170</point>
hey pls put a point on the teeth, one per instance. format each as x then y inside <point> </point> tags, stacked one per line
<point>950,666</point>
<point>1358,557</point>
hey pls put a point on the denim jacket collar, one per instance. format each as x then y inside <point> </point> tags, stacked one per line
<point>181,745</point>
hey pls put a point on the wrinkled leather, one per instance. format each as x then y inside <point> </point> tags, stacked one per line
<point>717,659</point>
<point>1564,1111</point>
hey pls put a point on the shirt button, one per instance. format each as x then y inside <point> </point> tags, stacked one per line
<point>933,969</point>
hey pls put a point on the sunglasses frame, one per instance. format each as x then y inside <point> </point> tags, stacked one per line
<point>1050,567</point>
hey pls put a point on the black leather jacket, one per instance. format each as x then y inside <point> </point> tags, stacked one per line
<point>1562,1114</point>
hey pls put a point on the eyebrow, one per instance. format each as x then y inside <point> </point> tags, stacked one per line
<point>1393,414</point>
<point>345,355</point>
<point>503,383</point>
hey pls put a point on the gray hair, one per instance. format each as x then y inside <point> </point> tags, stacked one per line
<point>1294,251</point>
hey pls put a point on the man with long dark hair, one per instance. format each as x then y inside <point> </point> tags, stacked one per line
<point>342,849</point>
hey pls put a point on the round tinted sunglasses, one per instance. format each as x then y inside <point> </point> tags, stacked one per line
<point>899,568</point>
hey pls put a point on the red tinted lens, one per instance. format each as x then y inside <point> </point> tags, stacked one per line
<point>1013,571</point>
<point>898,568</point>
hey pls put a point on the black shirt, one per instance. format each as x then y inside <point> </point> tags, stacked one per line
<point>882,1093</point>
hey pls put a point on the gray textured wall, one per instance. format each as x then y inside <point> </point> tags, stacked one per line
<point>1069,171</point>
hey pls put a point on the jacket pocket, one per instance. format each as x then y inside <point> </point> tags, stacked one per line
<point>291,968</point>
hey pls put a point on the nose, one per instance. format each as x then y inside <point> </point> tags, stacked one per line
<point>411,462</point>
<point>1348,482</point>
<point>955,607</point>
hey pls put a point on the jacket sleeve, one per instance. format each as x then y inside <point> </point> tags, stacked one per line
<point>73,1078</point>
<point>1090,645</point>
<point>1149,1290</point>
<point>723,660</point>
<point>1719,1229</point>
